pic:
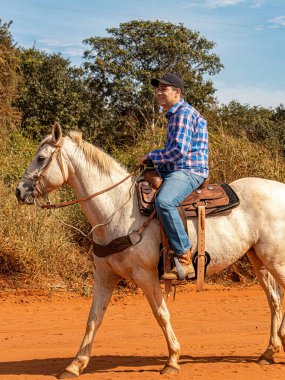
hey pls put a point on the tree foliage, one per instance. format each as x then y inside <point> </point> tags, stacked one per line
<point>52,90</point>
<point>121,65</point>
<point>257,124</point>
<point>9,62</point>
<point>110,97</point>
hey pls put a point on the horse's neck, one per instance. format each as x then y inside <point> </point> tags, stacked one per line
<point>116,205</point>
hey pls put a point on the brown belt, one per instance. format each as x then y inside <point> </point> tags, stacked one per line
<point>123,242</point>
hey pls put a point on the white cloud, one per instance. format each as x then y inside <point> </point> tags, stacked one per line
<point>73,52</point>
<point>255,96</point>
<point>54,46</point>
<point>257,3</point>
<point>213,3</point>
<point>55,43</point>
<point>259,27</point>
<point>277,22</point>
<point>49,42</point>
<point>273,23</point>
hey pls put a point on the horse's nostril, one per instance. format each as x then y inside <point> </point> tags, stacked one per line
<point>18,193</point>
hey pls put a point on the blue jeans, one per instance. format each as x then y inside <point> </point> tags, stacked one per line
<point>176,187</point>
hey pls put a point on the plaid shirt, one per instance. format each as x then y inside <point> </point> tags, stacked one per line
<point>186,146</point>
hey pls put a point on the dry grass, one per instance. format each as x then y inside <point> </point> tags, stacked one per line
<point>232,158</point>
<point>35,248</point>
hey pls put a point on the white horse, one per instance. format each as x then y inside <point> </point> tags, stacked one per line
<point>256,228</point>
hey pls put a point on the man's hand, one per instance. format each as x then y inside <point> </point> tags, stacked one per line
<point>141,160</point>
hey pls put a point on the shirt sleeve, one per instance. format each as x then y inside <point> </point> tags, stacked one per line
<point>178,141</point>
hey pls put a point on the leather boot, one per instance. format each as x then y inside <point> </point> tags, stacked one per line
<point>187,266</point>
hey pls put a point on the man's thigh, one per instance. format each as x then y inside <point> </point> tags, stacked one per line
<point>176,187</point>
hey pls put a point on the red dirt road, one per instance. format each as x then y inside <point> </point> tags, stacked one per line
<point>222,332</point>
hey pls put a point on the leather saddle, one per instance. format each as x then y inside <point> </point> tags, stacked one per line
<point>216,198</point>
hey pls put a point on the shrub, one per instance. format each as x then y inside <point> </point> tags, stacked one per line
<point>35,247</point>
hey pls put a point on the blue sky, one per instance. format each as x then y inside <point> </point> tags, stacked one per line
<point>249,35</point>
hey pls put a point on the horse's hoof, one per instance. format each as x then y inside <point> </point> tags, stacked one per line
<point>265,361</point>
<point>167,369</point>
<point>67,375</point>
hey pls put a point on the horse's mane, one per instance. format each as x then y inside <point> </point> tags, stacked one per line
<point>95,155</point>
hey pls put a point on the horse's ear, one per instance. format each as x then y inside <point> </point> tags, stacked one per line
<point>56,134</point>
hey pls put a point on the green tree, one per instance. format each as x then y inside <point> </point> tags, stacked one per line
<point>51,90</point>
<point>9,62</point>
<point>121,65</point>
<point>255,123</point>
<point>278,120</point>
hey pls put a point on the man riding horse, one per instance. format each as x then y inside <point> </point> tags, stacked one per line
<point>183,165</point>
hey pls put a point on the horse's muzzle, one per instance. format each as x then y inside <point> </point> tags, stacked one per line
<point>25,195</point>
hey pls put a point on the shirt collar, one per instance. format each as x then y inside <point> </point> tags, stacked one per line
<point>174,108</point>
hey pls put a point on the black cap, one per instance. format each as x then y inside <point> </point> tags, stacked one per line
<point>170,79</point>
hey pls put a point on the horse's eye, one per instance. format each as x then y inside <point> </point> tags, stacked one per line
<point>41,159</point>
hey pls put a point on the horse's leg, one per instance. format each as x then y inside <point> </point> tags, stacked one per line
<point>274,294</point>
<point>150,285</point>
<point>103,289</point>
<point>281,332</point>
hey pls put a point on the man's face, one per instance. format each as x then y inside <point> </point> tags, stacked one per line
<point>167,96</point>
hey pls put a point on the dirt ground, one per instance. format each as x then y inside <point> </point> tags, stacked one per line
<point>222,332</point>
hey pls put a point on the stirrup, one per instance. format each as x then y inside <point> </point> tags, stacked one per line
<point>180,272</point>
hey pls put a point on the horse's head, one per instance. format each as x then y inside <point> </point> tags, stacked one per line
<point>46,172</point>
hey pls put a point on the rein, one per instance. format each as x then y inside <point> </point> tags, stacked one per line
<point>117,245</point>
<point>75,201</point>
<point>39,177</point>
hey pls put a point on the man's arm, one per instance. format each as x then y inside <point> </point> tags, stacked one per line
<point>178,142</point>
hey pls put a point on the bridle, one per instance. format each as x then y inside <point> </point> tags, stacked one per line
<point>37,179</point>
<point>116,245</point>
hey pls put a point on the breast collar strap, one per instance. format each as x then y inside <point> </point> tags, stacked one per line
<point>123,242</point>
